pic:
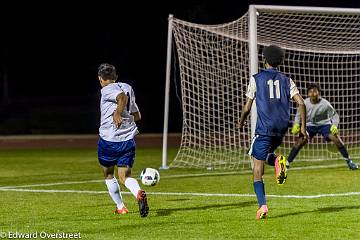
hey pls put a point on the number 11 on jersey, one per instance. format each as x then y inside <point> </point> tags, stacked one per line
<point>271,84</point>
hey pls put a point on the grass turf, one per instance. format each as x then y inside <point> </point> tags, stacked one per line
<point>172,216</point>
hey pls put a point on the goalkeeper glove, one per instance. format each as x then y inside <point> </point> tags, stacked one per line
<point>334,130</point>
<point>295,129</point>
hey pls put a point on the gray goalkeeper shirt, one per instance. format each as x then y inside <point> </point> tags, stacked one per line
<point>321,113</point>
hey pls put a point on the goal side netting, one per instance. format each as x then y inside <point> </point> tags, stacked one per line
<point>322,48</point>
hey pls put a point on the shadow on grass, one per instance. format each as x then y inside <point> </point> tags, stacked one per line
<point>320,210</point>
<point>175,200</point>
<point>169,211</point>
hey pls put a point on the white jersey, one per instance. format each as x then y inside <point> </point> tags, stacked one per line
<point>108,130</point>
<point>318,114</point>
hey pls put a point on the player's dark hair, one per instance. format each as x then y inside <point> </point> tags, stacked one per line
<point>274,55</point>
<point>107,72</point>
<point>313,86</point>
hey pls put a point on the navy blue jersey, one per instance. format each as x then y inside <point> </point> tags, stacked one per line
<point>273,91</point>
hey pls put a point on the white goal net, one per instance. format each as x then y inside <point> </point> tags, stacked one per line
<point>321,47</point>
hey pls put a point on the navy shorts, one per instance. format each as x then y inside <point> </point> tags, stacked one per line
<point>324,130</point>
<point>116,153</point>
<point>262,145</point>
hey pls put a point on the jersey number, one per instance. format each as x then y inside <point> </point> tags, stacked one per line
<point>271,84</point>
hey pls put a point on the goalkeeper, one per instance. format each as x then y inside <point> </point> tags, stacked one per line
<point>321,119</point>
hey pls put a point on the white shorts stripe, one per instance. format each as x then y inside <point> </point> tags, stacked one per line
<point>252,144</point>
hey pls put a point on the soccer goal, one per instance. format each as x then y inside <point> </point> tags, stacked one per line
<point>215,62</point>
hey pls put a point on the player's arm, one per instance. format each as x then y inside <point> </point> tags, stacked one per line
<point>302,111</point>
<point>245,112</point>
<point>250,94</point>
<point>335,122</point>
<point>121,100</point>
<point>294,94</point>
<point>137,116</point>
<point>134,109</point>
<point>296,126</point>
<point>335,119</point>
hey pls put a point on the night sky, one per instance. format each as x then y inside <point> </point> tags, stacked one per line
<point>50,54</point>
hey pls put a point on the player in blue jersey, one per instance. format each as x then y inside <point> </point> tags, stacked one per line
<point>272,92</point>
<point>116,146</point>
<point>321,119</point>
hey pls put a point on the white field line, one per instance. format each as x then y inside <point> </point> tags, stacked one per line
<point>173,176</point>
<point>250,171</point>
<point>53,191</point>
<point>187,193</point>
<point>52,184</point>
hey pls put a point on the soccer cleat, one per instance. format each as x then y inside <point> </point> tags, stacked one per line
<point>352,165</point>
<point>280,169</point>
<point>262,212</point>
<point>121,211</point>
<point>142,202</point>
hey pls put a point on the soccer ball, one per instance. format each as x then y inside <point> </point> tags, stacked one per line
<point>150,176</point>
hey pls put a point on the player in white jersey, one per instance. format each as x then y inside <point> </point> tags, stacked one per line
<point>116,146</point>
<point>321,119</point>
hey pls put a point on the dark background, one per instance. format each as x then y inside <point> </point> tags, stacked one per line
<point>50,53</point>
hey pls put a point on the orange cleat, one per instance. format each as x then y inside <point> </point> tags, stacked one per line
<point>121,211</point>
<point>262,212</point>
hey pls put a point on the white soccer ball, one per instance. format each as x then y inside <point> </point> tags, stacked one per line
<point>150,176</point>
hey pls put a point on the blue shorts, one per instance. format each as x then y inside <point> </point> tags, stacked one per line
<point>262,145</point>
<point>120,154</point>
<point>324,130</point>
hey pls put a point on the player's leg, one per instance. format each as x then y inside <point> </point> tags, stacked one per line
<point>299,144</point>
<point>258,172</point>
<point>125,163</point>
<point>132,184</point>
<point>259,187</point>
<point>277,160</point>
<point>114,189</point>
<point>125,178</point>
<point>111,182</point>
<point>258,150</point>
<point>342,149</point>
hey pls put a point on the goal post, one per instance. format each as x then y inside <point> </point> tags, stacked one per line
<point>253,59</point>
<point>164,164</point>
<point>216,61</point>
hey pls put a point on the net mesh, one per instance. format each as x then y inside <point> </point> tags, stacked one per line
<point>214,71</point>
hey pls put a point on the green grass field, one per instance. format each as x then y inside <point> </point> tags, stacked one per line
<point>186,204</point>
